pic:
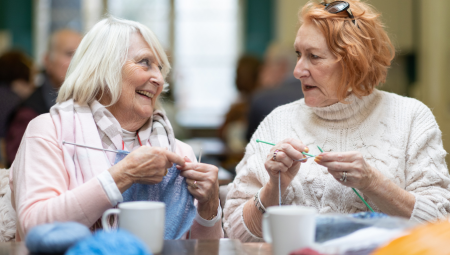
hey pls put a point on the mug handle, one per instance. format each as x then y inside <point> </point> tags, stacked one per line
<point>266,228</point>
<point>105,222</point>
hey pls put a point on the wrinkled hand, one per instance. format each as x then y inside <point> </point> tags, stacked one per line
<point>360,174</point>
<point>289,150</point>
<point>206,187</point>
<point>146,165</point>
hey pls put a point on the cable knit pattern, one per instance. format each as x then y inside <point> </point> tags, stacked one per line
<point>398,136</point>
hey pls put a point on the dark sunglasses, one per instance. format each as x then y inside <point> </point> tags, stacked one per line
<point>337,7</point>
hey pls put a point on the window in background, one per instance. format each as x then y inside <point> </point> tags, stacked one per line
<point>155,14</point>
<point>66,14</point>
<point>206,51</point>
<point>52,15</point>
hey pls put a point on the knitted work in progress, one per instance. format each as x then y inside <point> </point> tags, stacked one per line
<point>172,190</point>
<point>396,135</point>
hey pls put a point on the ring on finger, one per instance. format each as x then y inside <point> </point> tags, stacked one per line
<point>343,177</point>
<point>274,157</point>
<point>195,185</point>
<point>167,171</point>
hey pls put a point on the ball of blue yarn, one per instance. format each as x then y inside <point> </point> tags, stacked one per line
<point>101,243</point>
<point>55,237</point>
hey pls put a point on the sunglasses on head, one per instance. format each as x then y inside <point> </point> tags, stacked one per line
<point>337,7</point>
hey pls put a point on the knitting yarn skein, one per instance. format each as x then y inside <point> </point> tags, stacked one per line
<point>110,243</point>
<point>55,237</point>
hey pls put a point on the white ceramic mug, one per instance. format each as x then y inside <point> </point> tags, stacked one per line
<point>289,228</point>
<point>144,219</point>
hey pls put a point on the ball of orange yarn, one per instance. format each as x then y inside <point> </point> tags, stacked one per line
<point>429,239</point>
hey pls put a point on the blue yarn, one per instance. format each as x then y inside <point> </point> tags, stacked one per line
<point>368,215</point>
<point>172,190</point>
<point>109,243</point>
<point>334,226</point>
<point>56,237</point>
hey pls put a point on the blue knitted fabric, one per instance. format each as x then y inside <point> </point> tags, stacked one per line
<point>56,237</point>
<point>109,243</point>
<point>333,226</point>
<point>369,215</point>
<point>180,208</point>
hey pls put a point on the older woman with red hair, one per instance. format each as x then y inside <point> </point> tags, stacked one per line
<point>385,146</point>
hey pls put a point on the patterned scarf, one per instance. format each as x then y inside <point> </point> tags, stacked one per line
<point>157,132</point>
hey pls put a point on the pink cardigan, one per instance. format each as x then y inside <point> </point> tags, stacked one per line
<point>39,185</point>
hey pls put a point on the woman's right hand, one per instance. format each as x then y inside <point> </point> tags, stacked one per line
<point>287,153</point>
<point>146,165</point>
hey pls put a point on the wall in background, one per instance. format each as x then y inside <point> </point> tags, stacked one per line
<point>259,25</point>
<point>16,22</point>
<point>433,84</point>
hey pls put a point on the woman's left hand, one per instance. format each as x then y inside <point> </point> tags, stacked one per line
<point>203,184</point>
<point>359,173</point>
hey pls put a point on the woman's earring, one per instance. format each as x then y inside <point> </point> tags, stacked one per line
<point>349,89</point>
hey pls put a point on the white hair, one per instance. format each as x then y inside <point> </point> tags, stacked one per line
<point>96,66</point>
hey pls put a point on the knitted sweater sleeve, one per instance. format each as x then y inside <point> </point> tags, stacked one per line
<point>427,176</point>
<point>251,176</point>
<point>243,188</point>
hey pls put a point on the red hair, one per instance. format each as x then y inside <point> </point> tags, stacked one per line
<point>364,50</point>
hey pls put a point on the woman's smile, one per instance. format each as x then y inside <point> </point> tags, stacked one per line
<point>145,94</point>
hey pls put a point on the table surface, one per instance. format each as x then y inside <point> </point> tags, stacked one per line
<point>179,247</point>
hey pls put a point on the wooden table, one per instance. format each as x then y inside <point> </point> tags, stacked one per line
<point>179,247</point>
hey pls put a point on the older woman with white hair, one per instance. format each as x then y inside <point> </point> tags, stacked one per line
<point>71,164</point>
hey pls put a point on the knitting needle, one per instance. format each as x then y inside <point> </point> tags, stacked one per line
<point>303,159</point>
<point>279,188</point>
<point>199,160</point>
<point>360,197</point>
<point>304,153</point>
<point>90,147</point>
<point>279,173</point>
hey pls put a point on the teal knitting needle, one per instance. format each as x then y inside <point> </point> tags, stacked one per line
<point>304,153</point>
<point>360,197</point>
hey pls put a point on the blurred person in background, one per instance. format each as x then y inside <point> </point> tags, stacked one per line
<point>61,47</point>
<point>279,86</point>
<point>16,75</point>
<point>278,62</point>
<point>233,130</point>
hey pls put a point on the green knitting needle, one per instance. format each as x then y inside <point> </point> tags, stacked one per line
<point>362,199</point>
<point>304,153</point>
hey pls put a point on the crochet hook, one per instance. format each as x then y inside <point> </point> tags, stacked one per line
<point>360,197</point>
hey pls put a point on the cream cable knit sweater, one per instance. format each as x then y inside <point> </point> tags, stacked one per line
<point>397,135</point>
